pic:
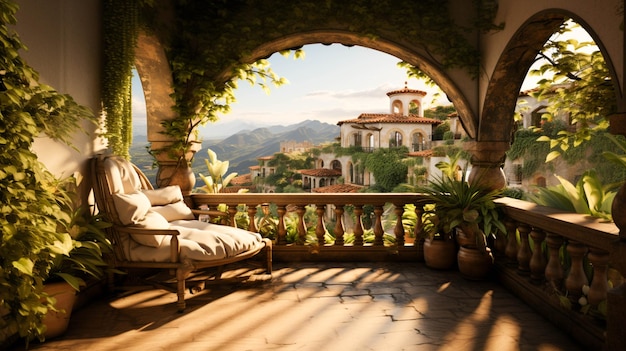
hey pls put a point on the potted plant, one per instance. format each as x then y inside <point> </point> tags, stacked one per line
<point>34,221</point>
<point>80,259</point>
<point>439,246</point>
<point>469,207</point>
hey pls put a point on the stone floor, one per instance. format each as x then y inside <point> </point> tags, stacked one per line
<point>318,307</point>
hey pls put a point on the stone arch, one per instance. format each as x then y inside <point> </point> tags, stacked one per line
<point>420,59</point>
<point>496,119</point>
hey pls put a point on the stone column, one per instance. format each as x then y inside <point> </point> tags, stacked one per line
<point>487,161</point>
<point>156,80</point>
<point>616,298</point>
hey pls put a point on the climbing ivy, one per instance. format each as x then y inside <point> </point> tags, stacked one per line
<point>120,27</point>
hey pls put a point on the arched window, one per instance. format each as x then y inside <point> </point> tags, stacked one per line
<point>336,165</point>
<point>395,140</point>
<point>418,142</point>
<point>356,139</point>
<point>397,107</point>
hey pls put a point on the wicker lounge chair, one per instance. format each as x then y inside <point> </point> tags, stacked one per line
<point>153,228</point>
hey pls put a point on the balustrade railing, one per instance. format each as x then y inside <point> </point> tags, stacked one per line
<point>563,262</point>
<point>547,257</point>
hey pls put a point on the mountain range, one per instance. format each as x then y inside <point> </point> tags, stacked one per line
<point>244,146</point>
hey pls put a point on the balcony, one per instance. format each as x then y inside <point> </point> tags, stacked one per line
<point>545,258</point>
<point>378,294</point>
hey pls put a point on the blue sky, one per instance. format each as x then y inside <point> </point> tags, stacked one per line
<point>331,83</point>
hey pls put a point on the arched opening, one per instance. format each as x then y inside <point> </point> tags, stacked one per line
<point>418,142</point>
<point>396,107</point>
<point>395,139</point>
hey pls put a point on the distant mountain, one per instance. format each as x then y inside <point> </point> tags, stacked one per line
<point>243,147</point>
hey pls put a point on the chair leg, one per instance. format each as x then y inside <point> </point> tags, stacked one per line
<point>180,291</point>
<point>268,256</point>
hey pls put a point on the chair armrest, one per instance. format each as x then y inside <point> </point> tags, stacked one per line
<point>144,231</point>
<point>174,244</point>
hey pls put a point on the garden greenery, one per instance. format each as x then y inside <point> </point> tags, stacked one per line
<point>31,237</point>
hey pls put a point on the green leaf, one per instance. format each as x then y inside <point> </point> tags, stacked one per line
<point>552,156</point>
<point>24,265</point>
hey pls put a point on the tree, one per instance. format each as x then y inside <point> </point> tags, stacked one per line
<point>576,81</point>
<point>387,167</point>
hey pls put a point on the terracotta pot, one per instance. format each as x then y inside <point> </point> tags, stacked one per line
<point>463,239</point>
<point>174,174</point>
<point>57,322</point>
<point>474,264</point>
<point>440,254</point>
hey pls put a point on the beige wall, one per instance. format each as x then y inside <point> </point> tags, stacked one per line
<point>63,41</point>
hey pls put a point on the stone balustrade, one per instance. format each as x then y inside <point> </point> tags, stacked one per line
<point>547,256</point>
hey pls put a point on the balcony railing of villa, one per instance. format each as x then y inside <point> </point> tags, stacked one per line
<point>548,257</point>
<point>427,145</point>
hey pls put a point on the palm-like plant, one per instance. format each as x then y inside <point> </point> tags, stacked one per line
<point>588,196</point>
<point>468,206</point>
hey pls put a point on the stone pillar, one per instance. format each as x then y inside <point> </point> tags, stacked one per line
<point>616,298</point>
<point>487,161</point>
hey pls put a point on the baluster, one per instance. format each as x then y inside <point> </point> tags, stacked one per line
<point>378,225</point>
<point>339,229</point>
<point>282,231</point>
<point>320,228</point>
<point>252,209</point>
<point>512,247</point>
<point>599,284</point>
<point>358,226</point>
<point>399,228</point>
<point>301,210</point>
<point>418,223</point>
<point>232,211</point>
<point>554,269</point>
<point>576,277</point>
<point>499,242</point>
<point>524,253</point>
<point>537,262</point>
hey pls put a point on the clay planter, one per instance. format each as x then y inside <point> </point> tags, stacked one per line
<point>57,322</point>
<point>474,264</point>
<point>440,254</point>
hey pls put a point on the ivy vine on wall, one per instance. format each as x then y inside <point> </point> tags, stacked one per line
<point>120,25</point>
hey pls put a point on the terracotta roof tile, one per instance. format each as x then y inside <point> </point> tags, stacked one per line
<point>390,118</point>
<point>337,188</point>
<point>321,172</point>
<point>406,90</point>
<point>424,153</point>
<point>242,179</point>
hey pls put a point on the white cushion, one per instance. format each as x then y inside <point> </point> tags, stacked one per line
<point>131,208</point>
<point>164,196</point>
<point>176,211</point>
<point>151,220</point>
<point>121,175</point>
<point>201,241</point>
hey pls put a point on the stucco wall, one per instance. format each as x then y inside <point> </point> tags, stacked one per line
<point>63,41</point>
